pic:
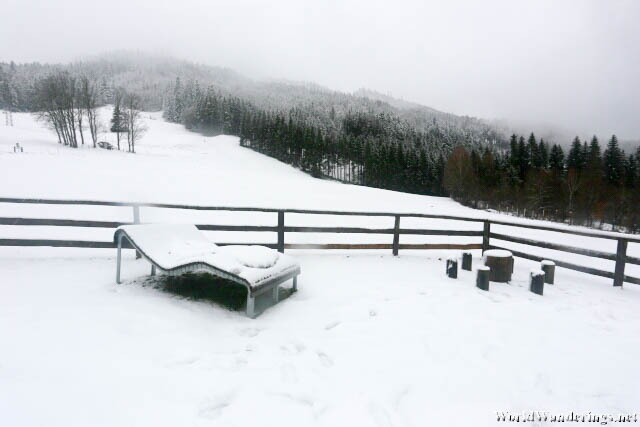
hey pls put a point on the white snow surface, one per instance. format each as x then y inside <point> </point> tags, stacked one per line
<point>498,253</point>
<point>368,340</point>
<point>176,245</point>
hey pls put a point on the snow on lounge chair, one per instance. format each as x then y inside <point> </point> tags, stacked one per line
<point>175,249</point>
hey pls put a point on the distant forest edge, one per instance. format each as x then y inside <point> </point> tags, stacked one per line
<point>529,178</point>
<point>351,138</point>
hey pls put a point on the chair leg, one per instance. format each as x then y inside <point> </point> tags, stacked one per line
<point>251,301</point>
<point>295,283</point>
<point>153,270</point>
<point>119,259</point>
<point>276,294</point>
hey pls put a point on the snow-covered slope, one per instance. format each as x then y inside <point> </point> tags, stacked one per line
<point>175,165</point>
<point>369,339</point>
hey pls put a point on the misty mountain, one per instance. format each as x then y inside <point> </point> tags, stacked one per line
<point>154,77</point>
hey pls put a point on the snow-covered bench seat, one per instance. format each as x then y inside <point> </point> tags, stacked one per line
<point>175,249</point>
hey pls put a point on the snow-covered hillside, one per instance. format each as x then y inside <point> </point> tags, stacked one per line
<point>369,339</point>
<point>175,165</point>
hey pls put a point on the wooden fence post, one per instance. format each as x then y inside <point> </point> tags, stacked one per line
<point>621,257</point>
<point>485,235</point>
<point>281,231</point>
<point>396,235</point>
<point>136,220</point>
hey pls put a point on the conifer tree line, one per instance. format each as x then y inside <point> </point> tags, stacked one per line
<point>362,148</point>
<point>587,186</point>
<point>339,136</point>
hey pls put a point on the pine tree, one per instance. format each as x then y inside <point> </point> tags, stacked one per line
<point>515,152</point>
<point>543,155</point>
<point>534,156</point>
<point>631,171</point>
<point>178,104</point>
<point>575,159</point>
<point>613,163</point>
<point>525,159</point>
<point>556,158</point>
<point>595,153</point>
<point>118,122</point>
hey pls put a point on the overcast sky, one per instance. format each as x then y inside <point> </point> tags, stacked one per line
<point>571,64</point>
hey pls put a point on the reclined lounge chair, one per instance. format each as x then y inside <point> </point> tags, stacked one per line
<point>175,249</point>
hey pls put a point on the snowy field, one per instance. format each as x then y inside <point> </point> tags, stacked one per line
<point>369,339</point>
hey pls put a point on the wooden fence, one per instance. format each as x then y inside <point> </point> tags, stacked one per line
<point>620,257</point>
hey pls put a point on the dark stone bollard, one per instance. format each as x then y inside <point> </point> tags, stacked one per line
<point>482,278</point>
<point>549,268</point>
<point>536,281</point>
<point>452,268</point>
<point>466,261</point>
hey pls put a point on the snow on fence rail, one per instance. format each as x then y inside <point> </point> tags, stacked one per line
<point>620,257</point>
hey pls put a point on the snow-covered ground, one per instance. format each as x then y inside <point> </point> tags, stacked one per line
<point>369,339</point>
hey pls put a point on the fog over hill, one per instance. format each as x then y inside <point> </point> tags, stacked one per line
<point>152,76</point>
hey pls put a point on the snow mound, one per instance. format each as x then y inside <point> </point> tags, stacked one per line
<point>498,253</point>
<point>252,256</point>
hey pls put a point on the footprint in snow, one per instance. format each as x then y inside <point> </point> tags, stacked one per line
<point>332,325</point>
<point>249,332</point>
<point>399,397</point>
<point>213,408</point>
<point>489,297</point>
<point>183,362</point>
<point>239,363</point>
<point>380,415</point>
<point>325,360</point>
<point>288,374</point>
<point>316,407</point>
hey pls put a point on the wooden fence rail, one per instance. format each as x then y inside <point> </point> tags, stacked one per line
<point>281,229</point>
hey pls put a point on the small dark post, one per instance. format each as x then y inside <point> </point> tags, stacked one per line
<point>549,268</point>
<point>621,257</point>
<point>485,235</point>
<point>482,278</point>
<point>466,261</point>
<point>281,231</point>
<point>452,268</point>
<point>136,220</point>
<point>396,235</point>
<point>536,281</point>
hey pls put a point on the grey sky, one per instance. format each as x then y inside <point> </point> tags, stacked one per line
<point>570,64</point>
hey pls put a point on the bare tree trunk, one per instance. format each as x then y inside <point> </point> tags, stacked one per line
<point>80,115</point>
<point>88,96</point>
